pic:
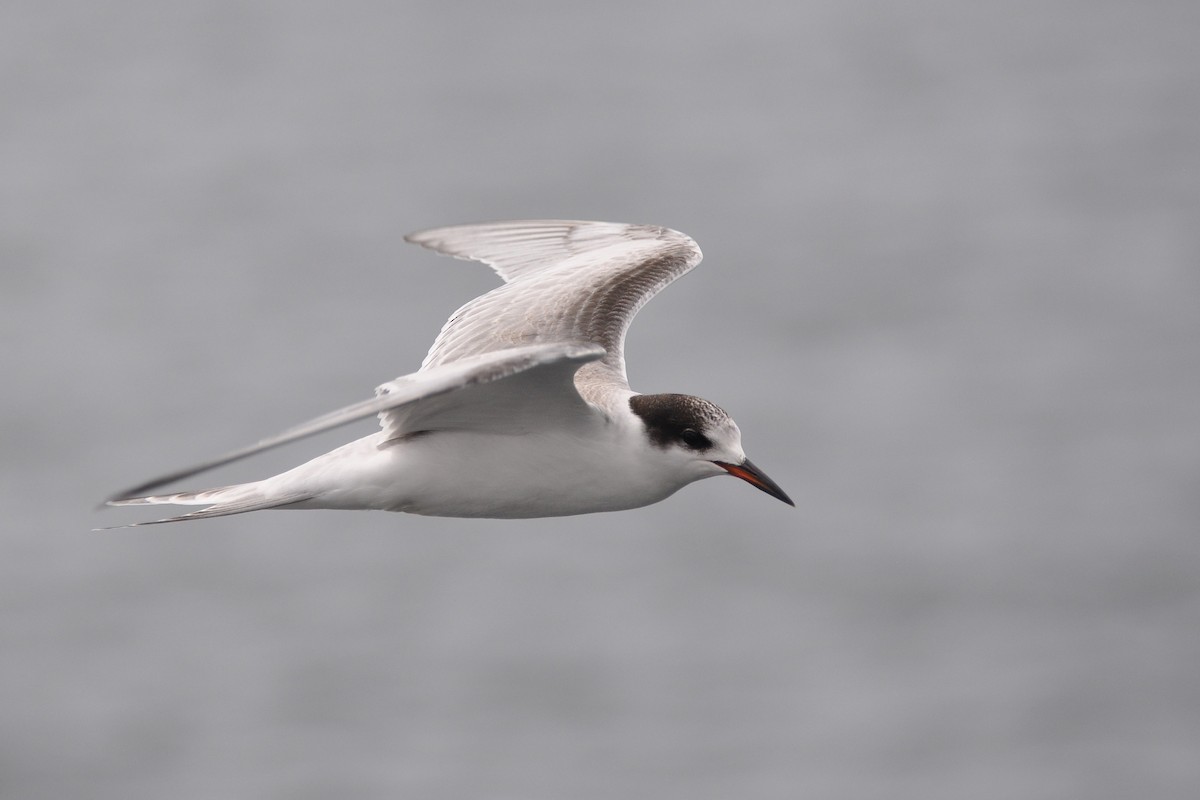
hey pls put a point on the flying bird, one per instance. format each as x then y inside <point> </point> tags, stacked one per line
<point>521,407</point>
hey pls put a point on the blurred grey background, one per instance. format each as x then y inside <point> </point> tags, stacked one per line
<point>950,293</point>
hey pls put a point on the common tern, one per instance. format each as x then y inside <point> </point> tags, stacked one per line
<point>521,407</point>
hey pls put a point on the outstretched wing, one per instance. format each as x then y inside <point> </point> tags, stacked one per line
<point>487,391</point>
<point>565,281</point>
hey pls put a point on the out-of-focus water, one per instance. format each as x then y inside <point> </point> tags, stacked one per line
<point>950,294</point>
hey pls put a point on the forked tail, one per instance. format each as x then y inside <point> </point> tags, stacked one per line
<point>220,502</point>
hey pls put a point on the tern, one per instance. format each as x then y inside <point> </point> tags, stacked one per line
<point>521,408</point>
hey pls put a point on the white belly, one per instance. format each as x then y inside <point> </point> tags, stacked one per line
<point>467,474</point>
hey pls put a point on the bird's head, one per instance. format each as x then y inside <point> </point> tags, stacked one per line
<point>701,437</point>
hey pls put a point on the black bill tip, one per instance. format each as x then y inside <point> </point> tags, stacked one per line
<point>756,478</point>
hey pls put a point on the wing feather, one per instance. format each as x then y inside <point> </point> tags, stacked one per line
<point>412,393</point>
<point>565,280</point>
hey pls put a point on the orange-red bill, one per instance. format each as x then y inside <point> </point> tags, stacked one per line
<point>756,478</point>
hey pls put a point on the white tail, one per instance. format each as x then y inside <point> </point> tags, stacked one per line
<point>220,502</point>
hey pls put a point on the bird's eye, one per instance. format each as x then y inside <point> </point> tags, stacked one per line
<point>694,439</point>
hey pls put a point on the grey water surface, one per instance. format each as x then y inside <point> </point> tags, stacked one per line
<point>950,293</point>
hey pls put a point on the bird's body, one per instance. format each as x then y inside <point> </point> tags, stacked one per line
<point>521,409</point>
<point>470,474</point>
